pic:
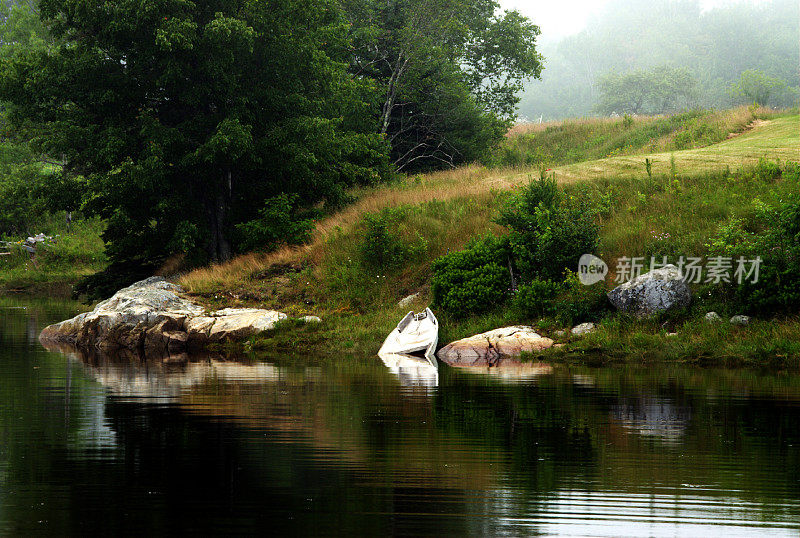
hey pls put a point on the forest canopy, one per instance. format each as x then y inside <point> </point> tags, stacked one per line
<point>193,127</point>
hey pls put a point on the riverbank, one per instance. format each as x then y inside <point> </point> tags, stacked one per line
<point>665,204</point>
<point>69,254</point>
<point>648,204</point>
<point>772,344</point>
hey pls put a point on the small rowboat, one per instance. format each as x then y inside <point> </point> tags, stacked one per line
<point>416,334</point>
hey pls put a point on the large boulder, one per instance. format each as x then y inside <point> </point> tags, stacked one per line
<point>153,317</point>
<point>493,347</point>
<point>657,291</point>
<point>231,324</point>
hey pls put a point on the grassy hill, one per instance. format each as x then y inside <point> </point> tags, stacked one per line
<point>753,139</point>
<point>686,196</point>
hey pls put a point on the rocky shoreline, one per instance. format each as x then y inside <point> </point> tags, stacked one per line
<point>154,317</point>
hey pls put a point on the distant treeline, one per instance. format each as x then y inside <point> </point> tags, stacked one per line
<point>665,55</point>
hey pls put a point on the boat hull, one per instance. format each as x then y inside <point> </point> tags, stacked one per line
<point>414,335</point>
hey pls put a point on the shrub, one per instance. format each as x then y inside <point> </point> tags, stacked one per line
<point>568,301</point>
<point>278,223</point>
<point>383,248</point>
<point>549,231</point>
<point>773,234</point>
<point>577,302</point>
<point>472,280</point>
<point>535,299</point>
<point>778,286</point>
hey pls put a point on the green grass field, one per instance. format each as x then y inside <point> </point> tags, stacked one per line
<point>775,139</point>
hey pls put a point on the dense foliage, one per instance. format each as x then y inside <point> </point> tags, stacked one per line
<point>549,231</point>
<point>473,280</point>
<point>448,74</point>
<point>771,233</point>
<point>198,129</point>
<point>567,301</point>
<point>158,108</point>
<point>278,223</point>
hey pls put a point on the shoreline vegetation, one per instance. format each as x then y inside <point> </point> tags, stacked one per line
<point>663,185</point>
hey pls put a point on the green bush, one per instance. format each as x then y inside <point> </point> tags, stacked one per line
<point>535,299</point>
<point>279,223</point>
<point>773,234</point>
<point>472,280</point>
<point>578,303</point>
<point>568,301</point>
<point>383,247</point>
<point>778,286</point>
<point>549,231</point>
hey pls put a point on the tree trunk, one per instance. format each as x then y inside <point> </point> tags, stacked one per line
<point>219,247</point>
<point>391,92</point>
<point>223,245</point>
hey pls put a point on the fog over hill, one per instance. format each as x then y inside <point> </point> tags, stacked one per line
<point>714,46</point>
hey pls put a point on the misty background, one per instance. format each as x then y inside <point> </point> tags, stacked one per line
<point>706,45</point>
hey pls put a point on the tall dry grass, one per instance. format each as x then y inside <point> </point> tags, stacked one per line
<point>469,182</point>
<point>521,129</point>
<point>466,182</point>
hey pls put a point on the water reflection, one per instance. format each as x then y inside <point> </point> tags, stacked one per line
<point>121,445</point>
<point>510,372</point>
<point>130,376</point>
<point>654,417</point>
<point>412,371</point>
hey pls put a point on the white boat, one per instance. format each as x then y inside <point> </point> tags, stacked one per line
<point>416,334</point>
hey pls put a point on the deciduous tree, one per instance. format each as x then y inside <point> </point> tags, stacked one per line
<point>449,72</point>
<point>184,117</point>
<point>658,90</point>
<point>756,87</point>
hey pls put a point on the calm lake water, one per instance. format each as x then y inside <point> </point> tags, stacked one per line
<point>346,447</point>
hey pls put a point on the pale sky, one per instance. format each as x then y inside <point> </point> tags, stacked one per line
<point>559,18</point>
